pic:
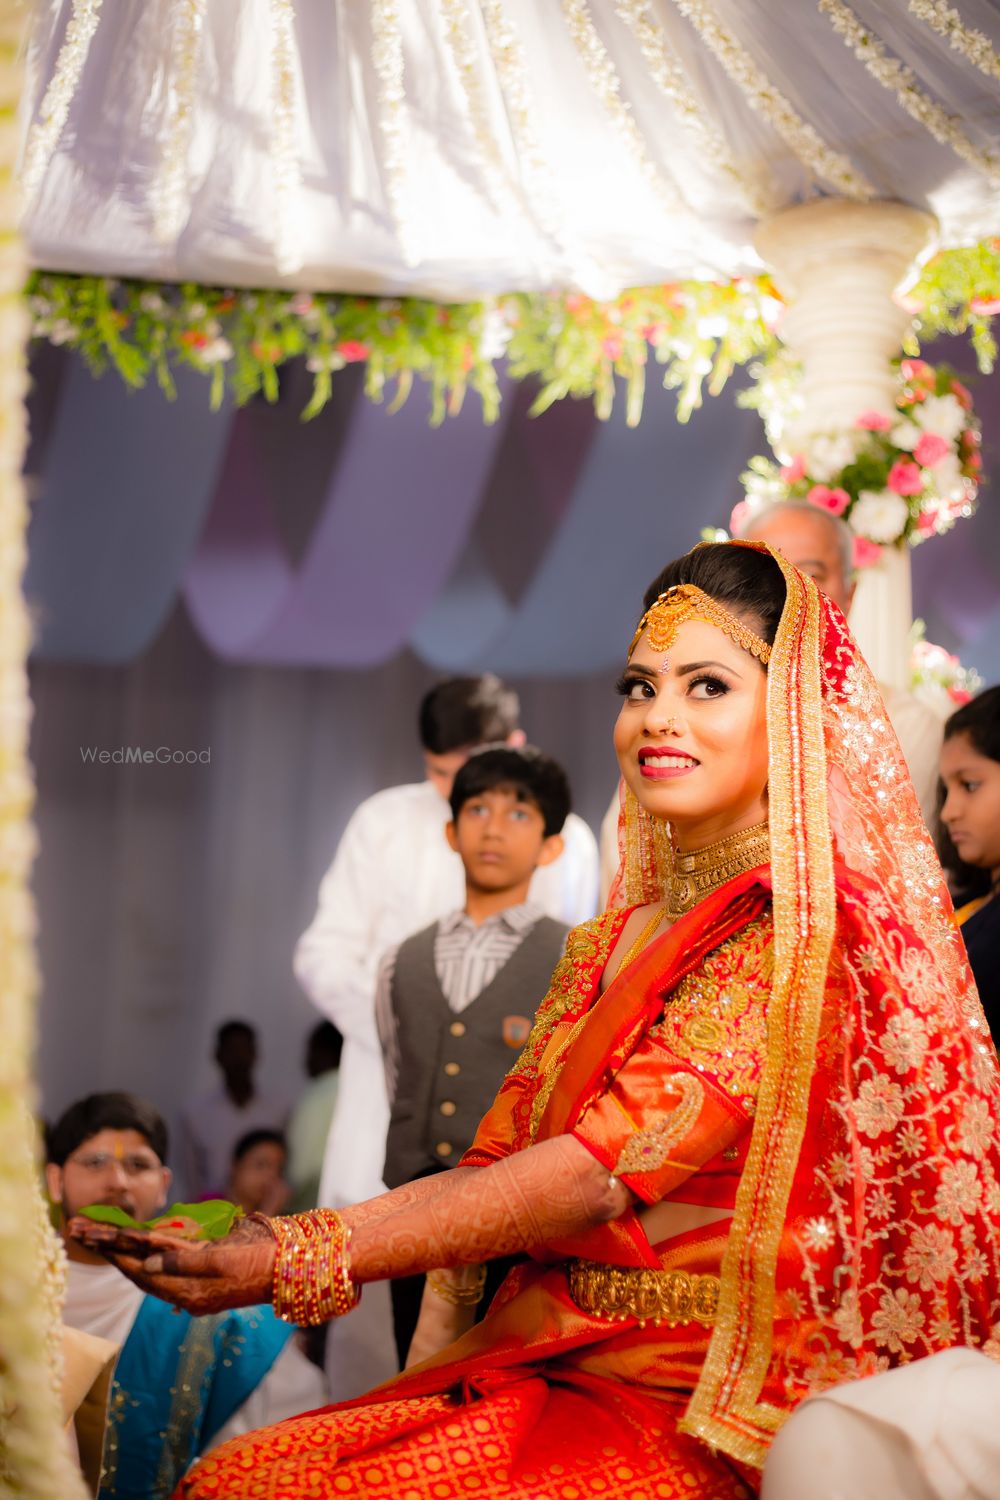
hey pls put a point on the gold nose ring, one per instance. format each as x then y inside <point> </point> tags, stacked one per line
<point>671,726</point>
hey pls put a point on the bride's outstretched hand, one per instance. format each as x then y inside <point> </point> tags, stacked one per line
<point>199,1276</point>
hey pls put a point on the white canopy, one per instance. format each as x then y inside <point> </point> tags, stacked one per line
<point>453,148</point>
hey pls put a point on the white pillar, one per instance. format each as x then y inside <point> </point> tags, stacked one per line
<point>839,264</point>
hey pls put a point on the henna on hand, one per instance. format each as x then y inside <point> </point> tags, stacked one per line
<point>547,1192</point>
<point>408,1195</point>
<point>197,1275</point>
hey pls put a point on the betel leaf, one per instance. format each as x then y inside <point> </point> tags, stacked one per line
<point>106,1213</point>
<point>214,1218</point>
<point>197,1221</point>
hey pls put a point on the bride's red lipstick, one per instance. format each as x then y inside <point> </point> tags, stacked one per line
<point>655,763</point>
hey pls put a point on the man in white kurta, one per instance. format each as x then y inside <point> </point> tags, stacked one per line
<point>393,875</point>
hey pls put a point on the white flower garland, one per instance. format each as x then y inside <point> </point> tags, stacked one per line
<point>606,84</point>
<point>387,59</point>
<point>947,22</point>
<point>43,138</point>
<point>285,166</point>
<point>511,69</point>
<point>455,19</point>
<point>669,77</point>
<point>34,1458</point>
<point>169,195</point>
<point>767,100</point>
<point>902,81</point>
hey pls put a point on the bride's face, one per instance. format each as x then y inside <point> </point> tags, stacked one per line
<point>691,737</point>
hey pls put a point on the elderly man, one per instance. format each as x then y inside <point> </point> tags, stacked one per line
<point>821,545</point>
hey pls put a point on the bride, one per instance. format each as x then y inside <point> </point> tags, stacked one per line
<point>749,1150</point>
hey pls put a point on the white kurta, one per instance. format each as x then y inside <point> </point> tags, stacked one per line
<point>925,1431</point>
<point>393,875</point>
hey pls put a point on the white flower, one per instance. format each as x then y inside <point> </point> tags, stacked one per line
<point>906,435</point>
<point>948,478</point>
<point>495,335</point>
<point>62,331</point>
<point>828,453</point>
<point>943,415</point>
<point>151,302</point>
<point>880,515</point>
<point>318,362</point>
<point>216,351</point>
<point>763,490</point>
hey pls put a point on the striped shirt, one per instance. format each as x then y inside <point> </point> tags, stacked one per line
<point>466,959</point>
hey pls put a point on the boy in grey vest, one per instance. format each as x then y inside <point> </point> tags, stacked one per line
<point>455,1002</point>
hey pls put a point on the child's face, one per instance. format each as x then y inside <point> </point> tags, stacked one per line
<point>257,1174</point>
<point>501,840</point>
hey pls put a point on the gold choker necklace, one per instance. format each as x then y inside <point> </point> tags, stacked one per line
<point>696,873</point>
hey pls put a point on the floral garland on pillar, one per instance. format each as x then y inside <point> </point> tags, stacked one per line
<point>34,1458</point>
<point>893,480</point>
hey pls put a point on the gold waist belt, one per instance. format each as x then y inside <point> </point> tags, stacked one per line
<point>671,1297</point>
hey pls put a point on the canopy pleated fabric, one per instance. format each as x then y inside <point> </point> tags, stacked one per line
<point>459,148</point>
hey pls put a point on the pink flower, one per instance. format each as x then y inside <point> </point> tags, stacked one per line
<point>985,306</point>
<point>835,501</point>
<point>959,695</point>
<point>961,392</point>
<point>917,371</point>
<point>612,345</point>
<point>792,472</point>
<point>905,478</point>
<point>874,421</point>
<point>866,553</point>
<point>926,523</point>
<point>739,517</point>
<point>930,450</point>
<point>351,349</point>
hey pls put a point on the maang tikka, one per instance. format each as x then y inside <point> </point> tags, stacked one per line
<point>683,602</point>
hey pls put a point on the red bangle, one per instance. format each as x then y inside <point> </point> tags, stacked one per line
<point>312,1269</point>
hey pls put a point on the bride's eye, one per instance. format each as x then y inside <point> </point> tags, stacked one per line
<point>635,689</point>
<point>712,687</point>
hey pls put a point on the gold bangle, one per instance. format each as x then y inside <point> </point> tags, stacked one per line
<point>312,1269</point>
<point>458,1296</point>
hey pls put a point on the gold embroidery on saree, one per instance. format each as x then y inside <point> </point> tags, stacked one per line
<point>648,1150</point>
<point>716,1019</point>
<point>574,979</point>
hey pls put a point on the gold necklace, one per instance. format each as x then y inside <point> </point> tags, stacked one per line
<point>695,873</point>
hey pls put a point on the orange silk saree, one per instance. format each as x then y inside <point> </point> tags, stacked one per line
<point>806,1049</point>
<point>542,1398</point>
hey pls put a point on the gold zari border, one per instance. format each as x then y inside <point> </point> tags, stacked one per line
<point>725,1410</point>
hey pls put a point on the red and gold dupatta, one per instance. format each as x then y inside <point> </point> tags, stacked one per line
<point>867,1222</point>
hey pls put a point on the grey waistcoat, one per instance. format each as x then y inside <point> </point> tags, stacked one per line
<point>452,1065</point>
